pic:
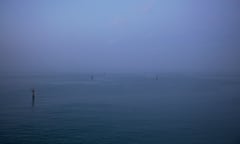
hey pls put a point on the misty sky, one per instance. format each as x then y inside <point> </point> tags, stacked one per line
<point>120,35</point>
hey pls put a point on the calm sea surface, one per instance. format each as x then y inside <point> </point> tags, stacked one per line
<point>120,109</point>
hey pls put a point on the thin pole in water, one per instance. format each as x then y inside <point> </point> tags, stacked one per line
<point>33,97</point>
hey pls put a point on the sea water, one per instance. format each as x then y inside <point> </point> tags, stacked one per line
<point>119,109</point>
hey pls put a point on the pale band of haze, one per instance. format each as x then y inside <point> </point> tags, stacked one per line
<point>120,35</point>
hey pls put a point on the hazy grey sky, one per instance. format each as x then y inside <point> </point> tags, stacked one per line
<point>120,35</point>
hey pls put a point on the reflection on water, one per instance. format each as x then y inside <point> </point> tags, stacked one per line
<point>33,101</point>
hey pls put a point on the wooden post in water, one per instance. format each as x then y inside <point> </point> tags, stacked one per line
<point>33,97</point>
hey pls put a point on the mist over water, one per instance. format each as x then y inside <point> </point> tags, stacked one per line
<point>123,36</point>
<point>139,71</point>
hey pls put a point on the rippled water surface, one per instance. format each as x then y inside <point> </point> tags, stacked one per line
<point>120,109</point>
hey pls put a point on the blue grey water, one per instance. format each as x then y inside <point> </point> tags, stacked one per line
<point>120,109</point>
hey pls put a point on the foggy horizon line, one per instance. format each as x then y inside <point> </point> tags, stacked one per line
<point>120,72</point>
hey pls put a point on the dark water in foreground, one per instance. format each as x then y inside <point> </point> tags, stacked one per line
<point>120,109</point>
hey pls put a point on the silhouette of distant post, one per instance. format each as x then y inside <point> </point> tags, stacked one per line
<point>33,97</point>
<point>91,77</point>
<point>156,77</point>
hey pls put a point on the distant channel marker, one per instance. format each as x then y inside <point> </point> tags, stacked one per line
<point>33,97</point>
